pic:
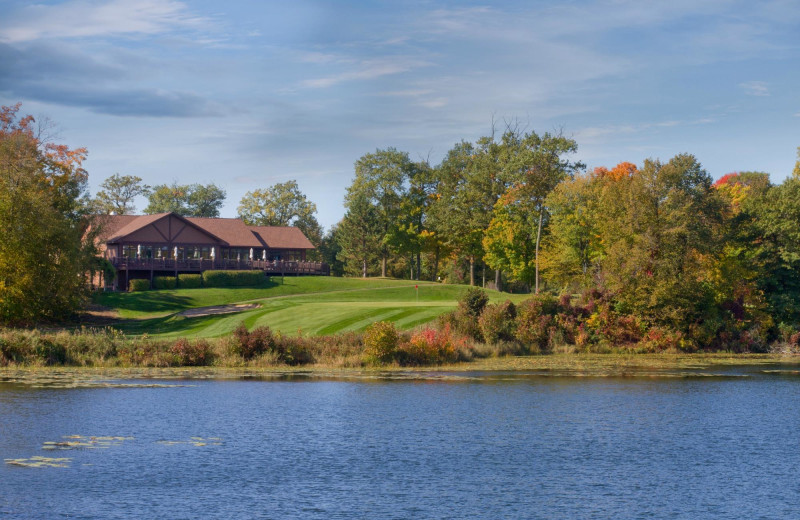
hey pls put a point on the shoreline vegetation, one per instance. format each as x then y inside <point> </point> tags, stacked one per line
<point>570,334</point>
<point>652,366</point>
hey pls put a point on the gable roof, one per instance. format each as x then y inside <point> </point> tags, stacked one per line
<point>278,237</point>
<point>110,224</point>
<point>135,225</point>
<point>231,230</point>
<point>143,221</point>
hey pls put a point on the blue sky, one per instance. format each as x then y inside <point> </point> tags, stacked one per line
<point>246,94</point>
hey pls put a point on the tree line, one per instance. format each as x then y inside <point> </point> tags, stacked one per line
<point>661,241</point>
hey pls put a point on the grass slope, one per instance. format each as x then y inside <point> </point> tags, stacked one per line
<point>307,305</point>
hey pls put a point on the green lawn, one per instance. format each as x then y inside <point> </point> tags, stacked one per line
<point>310,305</point>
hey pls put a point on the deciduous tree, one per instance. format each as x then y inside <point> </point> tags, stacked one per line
<point>43,257</point>
<point>381,180</point>
<point>192,200</point>
<point>118,193</point>
<point>282,204</point>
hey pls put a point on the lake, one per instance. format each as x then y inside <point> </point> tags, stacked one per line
<point>712,445</point>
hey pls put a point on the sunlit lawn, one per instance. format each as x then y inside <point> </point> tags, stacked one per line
<point>307,305</point>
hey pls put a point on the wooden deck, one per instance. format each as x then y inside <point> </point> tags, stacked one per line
<point>199,265</point>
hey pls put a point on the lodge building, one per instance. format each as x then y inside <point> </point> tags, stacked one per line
<point>163,244</point>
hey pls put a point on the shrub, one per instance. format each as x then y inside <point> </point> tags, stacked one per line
<point>430,346</point>
<point>193,354</point>
<point>253,343</point>
<point>381,340</point>
<point>497,322</point>
<point>138,285</point>
<point>190,281</point>
<point>294,350</point>
<point>462,322</point>
<point>164,282</point>
<point>233,278</point>
<point>261,341</point>
<point>473,301</point>
<point>660,339</point>
<point>536,324</point>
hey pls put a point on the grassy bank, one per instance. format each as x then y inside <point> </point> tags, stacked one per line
<point>315,306</point>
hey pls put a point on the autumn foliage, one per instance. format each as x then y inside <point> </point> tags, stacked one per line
<point>43,257</point>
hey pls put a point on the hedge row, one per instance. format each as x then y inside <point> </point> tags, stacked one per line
<point>164,282</point>
<point>233,278</point>
<point>190,281</point>
<point>207,279</point>
<point>138,285</point>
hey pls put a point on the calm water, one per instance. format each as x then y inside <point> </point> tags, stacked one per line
<point>484,447</point>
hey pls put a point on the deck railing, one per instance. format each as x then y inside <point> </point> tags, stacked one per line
<point>201,264</point>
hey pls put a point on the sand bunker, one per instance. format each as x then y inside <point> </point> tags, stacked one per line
<point>218,309</point>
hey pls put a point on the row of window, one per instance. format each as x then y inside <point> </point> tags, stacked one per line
<point>204,253</point>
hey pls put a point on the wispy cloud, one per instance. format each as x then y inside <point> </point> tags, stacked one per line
<point>92,18</point>
<point>755,88</point>
<point>366,70</point>
<point>601,131</point>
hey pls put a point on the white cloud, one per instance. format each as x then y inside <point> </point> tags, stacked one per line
<point>755,88</point>
<point>600,131</point>
<point>368,69</point>
<point>91,18</point>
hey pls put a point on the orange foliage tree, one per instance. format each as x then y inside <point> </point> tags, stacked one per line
<point>42,220</point>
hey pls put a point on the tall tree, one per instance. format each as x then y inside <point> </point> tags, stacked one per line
<point>192,200</point>
<point>282,204</point>
<point>359,236</point>
<point>535,165</point>
<point>470,180</point>
<point>43,256</point>
<point>381,179</point>
<point>118,193</point>
<point>796,170</point>
<point>660,228</point>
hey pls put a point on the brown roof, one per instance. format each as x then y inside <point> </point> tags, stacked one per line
<point>231,230</point>
<point>282,237</point>
<point>110,224</point>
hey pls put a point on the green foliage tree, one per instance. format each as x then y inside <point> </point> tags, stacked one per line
<point>359,236</point>
<point>771,242</point>
<point>282,204</point>
<point>43,217</point>
<point>381,180</point>
<point>573,244</point>
<point>796,170</point>
<point>191,200</point>
<point>465,196</point>
<point>660,232</point>
<point>329,249</point>
<point>118,193</point>
<point>534,165</point>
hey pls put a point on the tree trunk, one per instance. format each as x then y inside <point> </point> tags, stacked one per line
<point>419,264</point>
<point>435,274</point>
<point>538,239</point>
<point>383,265</point>
<point>472,270</point>
<point>364,269</point>
<point>497,280</point>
